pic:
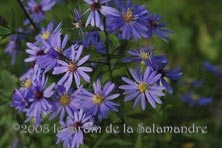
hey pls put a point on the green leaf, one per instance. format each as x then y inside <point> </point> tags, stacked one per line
<point>101,139</point>
<point>114,117</point>
<point>5,31</point>
<point>137,116</point>
<point>102,35</point>
<point>114,40</point>
<point>84,146</point>
<point>118,142</point>
<point>8,81</point>
<point>139,142</point>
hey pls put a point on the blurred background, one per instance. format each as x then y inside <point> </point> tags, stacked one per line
<point>197,38</point>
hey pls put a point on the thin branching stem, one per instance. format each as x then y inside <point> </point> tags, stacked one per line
<point>27,15</point>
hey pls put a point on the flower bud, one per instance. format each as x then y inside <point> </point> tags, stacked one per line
<point>3,22</point>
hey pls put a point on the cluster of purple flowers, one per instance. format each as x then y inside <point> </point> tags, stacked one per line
<point>67,94</point>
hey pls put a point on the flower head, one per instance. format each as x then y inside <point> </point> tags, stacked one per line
<point>92,40</point>
<point>157,28</point>
<point>35,51</point>
<point>63,102</point>
<point>142,56</point>
<point>12,48</point>
<point>48,32</point>
<point>130,22</point>
<point>143,88</point>
<point>215,69</point>
<point>97,7</point>
<point>72,68</point>
<point>71,134</point>
<point>20,99</point>
<point>175,74</point>
<point>39,95</point>
<point>194,99</point>
<point>37,9</point>
<point>99,103</point>
<point>53,53</point>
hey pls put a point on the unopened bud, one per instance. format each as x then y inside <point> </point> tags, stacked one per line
<point>3,22</point>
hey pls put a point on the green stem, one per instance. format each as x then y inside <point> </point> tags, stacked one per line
<point>108,56</point>
<point>23,33</point>
<point>27,15</point>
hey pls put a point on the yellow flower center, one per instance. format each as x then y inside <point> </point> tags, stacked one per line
<point>64,100</point>
<point>45,35</point>
<point>144,55</point>
<point>27,83</point>
<point>195,97</point>
<point>142,87</point>
<point>128,16</point>
<point>97,99</point>
<point>77,25</point>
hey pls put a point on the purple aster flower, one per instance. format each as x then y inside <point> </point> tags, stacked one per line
<point>130,22</point>
<point>54,52</point>
<point>37,9</point>
<point>63,102</point>
<point>97,7</point>
<point>34,52</point>
<point>143,88</point>
<point>194,99</point>
<point>99,103</point>
<point>12,48</point>
<point>31,72</point>
<point>15,142</point>
<point>194,83</point>
<point>40,104</point>
<point>73,68</point>
<point>20,99</point>
<point>170,74</point>
<point>142,56</point>
<point>157,28</point>
<point>93,41</point>
<point>48,32</point>
<point>78,22</point>
<point>215,69</point>
<point>72,134</point>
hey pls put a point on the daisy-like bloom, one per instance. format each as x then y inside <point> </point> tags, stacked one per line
<point>37,9</point>
<point>215,69</point>
<point>54,52</point>
<point>20,99</point>
<point>170,74</point>
<point>143,88</point>
<point>130,22</point>
<point>157,28</point>
<point>99,103</point>
<point>194,99</point>
<point>92,40</point>
<point>12,48</point>
<point>142,56</point>
<point>31,72</point>
<point>72,134</point>
<point>63,102</point>
<point>78,23</point>
<point>39,95</point>
<point>48,32</point>
<point>97,7</point>
<point>34,51</point>
<point>72,68</point>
